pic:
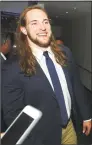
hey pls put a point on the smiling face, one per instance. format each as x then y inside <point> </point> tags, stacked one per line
<point>37,29</point>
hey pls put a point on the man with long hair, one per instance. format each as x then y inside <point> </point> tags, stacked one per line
<point>42,76</point>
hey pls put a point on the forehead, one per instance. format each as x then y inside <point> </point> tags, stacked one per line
<point>36,14</point>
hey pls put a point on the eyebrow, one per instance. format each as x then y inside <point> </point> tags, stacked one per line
<point>37,20</point>
<point>33,21</point>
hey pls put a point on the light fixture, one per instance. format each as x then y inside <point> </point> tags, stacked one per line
<point>66,12</point>
<point>74,8</point>
<point>14,46</point>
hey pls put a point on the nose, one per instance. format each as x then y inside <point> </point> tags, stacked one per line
<point>42,26</point>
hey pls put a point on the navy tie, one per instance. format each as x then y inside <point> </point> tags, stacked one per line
<point>57,88</point>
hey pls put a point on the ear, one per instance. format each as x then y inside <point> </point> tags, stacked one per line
<point>23,30</point>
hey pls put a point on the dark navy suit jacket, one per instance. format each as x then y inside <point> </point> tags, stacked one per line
<point>19,90</point>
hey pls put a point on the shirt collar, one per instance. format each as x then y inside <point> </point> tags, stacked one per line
<point>38,53</point>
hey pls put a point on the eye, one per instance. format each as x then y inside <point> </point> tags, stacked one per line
<point>46,22</point>
<point>35,23</point>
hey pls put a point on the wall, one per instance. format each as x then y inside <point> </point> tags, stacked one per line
<point>67,32</point>
<point>81,47</point>
<point>77,36</point>
<point>63,28</point>
<point>57,31</point>
<point>13,6</point>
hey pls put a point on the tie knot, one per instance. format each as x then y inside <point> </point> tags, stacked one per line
<point>45,53</point>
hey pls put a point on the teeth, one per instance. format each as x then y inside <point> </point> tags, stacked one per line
<point>42,34</point>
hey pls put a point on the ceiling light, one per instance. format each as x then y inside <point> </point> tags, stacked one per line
<point>74,8</point>
<point>66,12</point>
<point>14,46</point>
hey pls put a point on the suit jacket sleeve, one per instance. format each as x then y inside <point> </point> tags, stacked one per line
<point>12,94</point>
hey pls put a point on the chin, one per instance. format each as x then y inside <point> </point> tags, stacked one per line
<point>44,45</point>
<point>45,42</point>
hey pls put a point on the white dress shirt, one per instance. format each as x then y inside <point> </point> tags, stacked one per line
<point>38,53</point>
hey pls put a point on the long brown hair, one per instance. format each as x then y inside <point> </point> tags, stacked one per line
<point>27,60</point>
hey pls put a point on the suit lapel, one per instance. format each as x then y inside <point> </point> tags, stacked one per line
<point>40,73</point>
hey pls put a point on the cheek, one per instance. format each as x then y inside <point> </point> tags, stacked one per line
<point>34,33</point>
<point>31,32</point>
<point>49,30</point>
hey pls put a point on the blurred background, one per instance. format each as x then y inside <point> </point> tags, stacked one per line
<point>71,21</point>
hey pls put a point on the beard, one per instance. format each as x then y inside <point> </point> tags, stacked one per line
<point>39,42</point>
